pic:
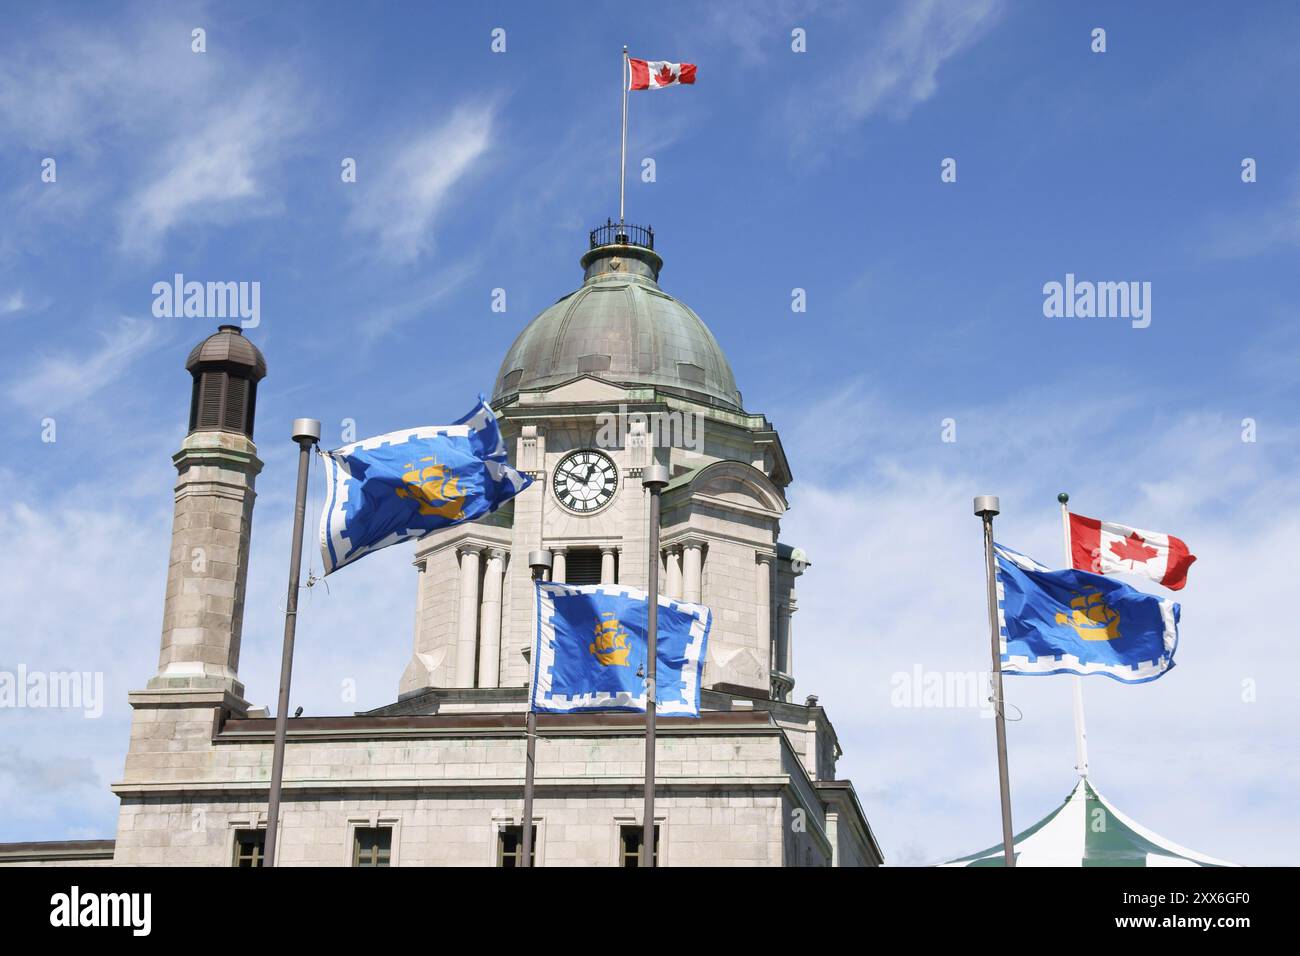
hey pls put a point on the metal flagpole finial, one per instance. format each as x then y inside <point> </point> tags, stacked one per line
<point>654,477</point>
<point>306,430</point>
<point>987,505</point>
<point>1063,498</point>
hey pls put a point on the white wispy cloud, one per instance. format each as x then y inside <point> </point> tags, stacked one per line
<point>901,69</point>
<point>756,27</point>
<point>83,574</point>
<point>68,88</point>
<point>205,133</point>
<point>416,301</point>
<point>214,169</point>
<point>1256,230</point>
<point>53,383</point>
<point>896,69</point>
<point>400,198</point>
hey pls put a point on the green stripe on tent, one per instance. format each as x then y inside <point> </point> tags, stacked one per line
<point>1108,839</point>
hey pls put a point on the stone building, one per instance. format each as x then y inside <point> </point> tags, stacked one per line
<point>609,378</point>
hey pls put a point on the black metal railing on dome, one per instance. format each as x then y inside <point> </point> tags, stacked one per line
<point>622,234</point>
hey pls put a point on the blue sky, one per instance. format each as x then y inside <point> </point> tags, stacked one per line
<point>778,170</point>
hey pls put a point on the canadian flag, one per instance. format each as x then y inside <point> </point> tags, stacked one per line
<point>1103,547</point>
<point>656,74</point>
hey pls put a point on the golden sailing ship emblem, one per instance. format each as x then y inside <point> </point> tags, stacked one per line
<point>610,647</point>
<point>432,489</point>
<point>1091,617</point>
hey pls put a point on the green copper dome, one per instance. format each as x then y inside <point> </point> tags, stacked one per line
<point>621,327</point>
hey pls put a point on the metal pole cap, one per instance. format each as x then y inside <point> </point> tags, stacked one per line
<point>654,477</point>
<point>987,505</point>
<point>306,430</point>
<point>539,560</point>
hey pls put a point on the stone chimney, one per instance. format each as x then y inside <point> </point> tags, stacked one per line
<point>217,465</point>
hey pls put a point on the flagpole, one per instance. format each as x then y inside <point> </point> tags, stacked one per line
<point>653,479</point>
<point>622,161</point>
<point>986,506</point>
<point>1080,730</point>
<point>306,432</point>
<point>540,563</point>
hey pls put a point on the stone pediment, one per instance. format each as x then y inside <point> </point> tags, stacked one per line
<point>585,388</point>
<point>732,484</point>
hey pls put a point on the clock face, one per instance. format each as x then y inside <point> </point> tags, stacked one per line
<point>585,481</point>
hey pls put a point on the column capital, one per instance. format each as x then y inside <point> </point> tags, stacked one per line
<point>610,549</point>
<point>764,557</point>
<point>495,553</point>
<point>689,542</point>
<point>469,547</point>
<point>220,449</point>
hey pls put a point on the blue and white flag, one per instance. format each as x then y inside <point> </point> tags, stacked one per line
<point>403,485</point>
<point>590,651</point>
<point>1075,622</point>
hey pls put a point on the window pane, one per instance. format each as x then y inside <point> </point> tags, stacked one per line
<point>630,839</point>
<point>372,846</point>
<point>510,846</point>
<point>249,847</point>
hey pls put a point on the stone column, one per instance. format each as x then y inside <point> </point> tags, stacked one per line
<point>203,610</point>
<point>674,572</point>
<point>421,566</point>
<point>607,571</point>
<point>792,605</point>
<point>418,673</point>
<point>467,625</point>
<point>692,572</point>
<point>489,658</point>
<point>763,603</point>
<point>559,565</point>
<point>785,647</point>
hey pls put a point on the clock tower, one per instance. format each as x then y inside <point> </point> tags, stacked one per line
<point>613,376</point>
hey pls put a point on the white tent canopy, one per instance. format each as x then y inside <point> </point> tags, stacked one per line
<point>1086,830</point>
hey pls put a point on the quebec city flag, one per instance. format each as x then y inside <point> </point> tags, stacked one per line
<point>403,485</point>
<point>1076,622</point>
<point>590,651</point>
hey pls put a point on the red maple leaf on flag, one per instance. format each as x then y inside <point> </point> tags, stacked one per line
<point>665,75</point>
<point>1133,549</point>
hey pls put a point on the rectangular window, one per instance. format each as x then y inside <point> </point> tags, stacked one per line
<point>510,846</point>
<point>630,838</point>
<point>250,848</point>
<point>372,846</point>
